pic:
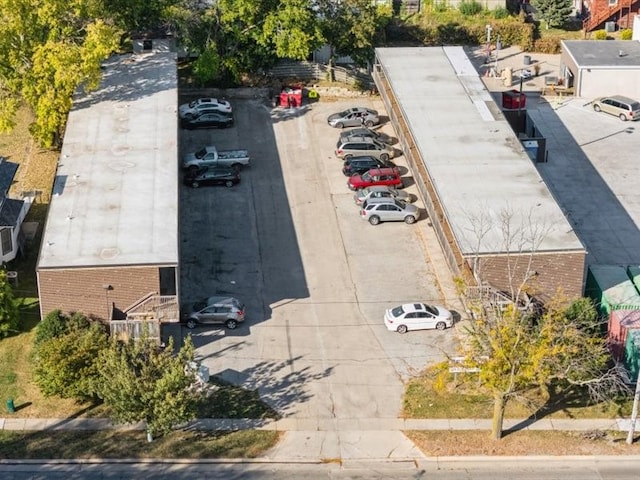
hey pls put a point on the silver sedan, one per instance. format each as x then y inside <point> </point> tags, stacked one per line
<point>380,191</point>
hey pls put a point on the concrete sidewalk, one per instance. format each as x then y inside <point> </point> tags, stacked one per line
<point>327,425</point>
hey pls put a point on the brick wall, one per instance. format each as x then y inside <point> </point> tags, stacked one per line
<point>82,290</point>
<point>555,271</point>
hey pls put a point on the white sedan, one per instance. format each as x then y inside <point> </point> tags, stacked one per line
<point>195,108</point>
<point>417,316</point>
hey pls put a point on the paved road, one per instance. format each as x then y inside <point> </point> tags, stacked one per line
<point>486,468</point>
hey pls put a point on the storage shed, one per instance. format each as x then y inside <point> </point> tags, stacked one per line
<point>110,243</point>
<point>597,68</point>
<point>496,220</point>
<point>611,289</point>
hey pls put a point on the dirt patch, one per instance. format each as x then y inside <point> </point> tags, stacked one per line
<point>461,443</point>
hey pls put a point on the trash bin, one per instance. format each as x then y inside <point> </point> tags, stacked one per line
<point>527,59</point>
<point>10,406</point>
<point>513,99</point>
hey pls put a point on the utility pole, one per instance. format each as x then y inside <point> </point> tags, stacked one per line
<point>634,413</point>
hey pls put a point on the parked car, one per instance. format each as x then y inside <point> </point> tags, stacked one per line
<point>359,165</point>
<point>358,146</point>
<point>193,108</point>
<point>380,191</point>
<point>227,311</point>
<point>623,107</point>
<point>417,316</point>
<point>226,176</point>
<point>354,117</point>
<point>207,120</point>
<point>366,132</point>
<point>376,176</point>
<point>376,210</point>
<point>210,156</point>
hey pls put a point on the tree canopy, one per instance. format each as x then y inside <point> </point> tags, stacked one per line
<point>143,382</point>
<point>8,309</point>
<point>553,12</point>
<point>517,354</point>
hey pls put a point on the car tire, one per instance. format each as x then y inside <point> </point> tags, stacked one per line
<point>441,326</point>
<point>191,324</point>
<point>409,219</point>
<point>195,185</point>
<point>374,220</point>
<point>237,167</point>
<point>623,117</point>
<point>384,157</point>
<point>231,324</point>
<point>368,124</point>
<point>192,169</point>
<point>596,107</point>
<point>228,184</point>
<point>402,329</point>
<point>346,158</point>
<point>339,125</point>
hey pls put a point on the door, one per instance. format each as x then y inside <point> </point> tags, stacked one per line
<point>425,321</point>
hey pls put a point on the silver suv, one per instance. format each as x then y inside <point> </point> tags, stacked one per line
<point>623,107</point>
<point>377,210</point>
<point>227,311</point>
<point>363,146</point>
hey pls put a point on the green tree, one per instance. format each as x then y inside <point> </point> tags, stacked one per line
<point>518,354</point>
<point>553,12</point>
<point>8,310</point>
<point>142,382</point>
<point>47,49</point>
<point>66,364</point>
<point>351,27</point>
<point>55,324</point>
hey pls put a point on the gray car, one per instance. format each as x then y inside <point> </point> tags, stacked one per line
<point>380,191</point>
<point>376,210</point>
<point>227,311</point>
<point>366,132</point>
<point>354,117</point>
<point>364,146</point>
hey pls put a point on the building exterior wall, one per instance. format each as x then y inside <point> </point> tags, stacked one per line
<point>93,291</point>
<point>599,82</point>
<point>548,273</point>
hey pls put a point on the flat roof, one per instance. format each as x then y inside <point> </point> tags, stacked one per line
<point>604,53</point>
<point>480,171</point>
<point>115,196</point>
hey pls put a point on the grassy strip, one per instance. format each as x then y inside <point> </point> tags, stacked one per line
<point>119,444</point>
<point>461,399</point>
<point>524,442</point>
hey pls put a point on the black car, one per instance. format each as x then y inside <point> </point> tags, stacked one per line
<point>361,164</point>
<point>226,176</point>
<point>208,119</point>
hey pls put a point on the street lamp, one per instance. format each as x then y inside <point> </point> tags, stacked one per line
<point>489,29</point>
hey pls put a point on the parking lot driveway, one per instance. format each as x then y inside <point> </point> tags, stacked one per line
<point>316,278</point>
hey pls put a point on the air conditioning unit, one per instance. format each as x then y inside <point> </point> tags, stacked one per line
<point>610,27</point>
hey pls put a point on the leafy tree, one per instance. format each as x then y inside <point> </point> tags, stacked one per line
<point>66,364</point>
<point>8,309</point>
<point>142,382</point>
<point>55,324</point>
<point>351,27</point>
<point>47,49</point>
<point>517,353</point>
<point>553,12</point>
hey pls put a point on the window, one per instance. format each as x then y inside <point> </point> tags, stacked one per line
<point>7,241</point>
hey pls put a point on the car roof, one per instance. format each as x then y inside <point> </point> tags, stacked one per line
<point>384,171</point>
<point>220,300</point>
<point>414,307</point>
<point>362,158</point>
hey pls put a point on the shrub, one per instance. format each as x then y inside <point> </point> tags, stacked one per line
<point>626,34</point>
<point>550,45</point>
<point>600,35</point>
<point>500,12</point>
<point>469,8</point>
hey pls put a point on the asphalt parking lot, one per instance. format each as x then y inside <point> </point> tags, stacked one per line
<point>316,279</point>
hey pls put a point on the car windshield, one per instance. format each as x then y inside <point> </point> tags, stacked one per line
<point>201,153</point>
<point>366,176</point>
<point>396,312</point>
<point>193,104</point>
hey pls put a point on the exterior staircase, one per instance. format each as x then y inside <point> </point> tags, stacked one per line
<point>601,11</point>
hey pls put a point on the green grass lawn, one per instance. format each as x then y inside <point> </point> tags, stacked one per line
<point>126,444</point>
<point>466,400</point>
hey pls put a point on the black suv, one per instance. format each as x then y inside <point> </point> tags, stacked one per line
<point>359,165</point>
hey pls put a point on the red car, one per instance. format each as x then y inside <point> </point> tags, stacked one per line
<point>376,176</point>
